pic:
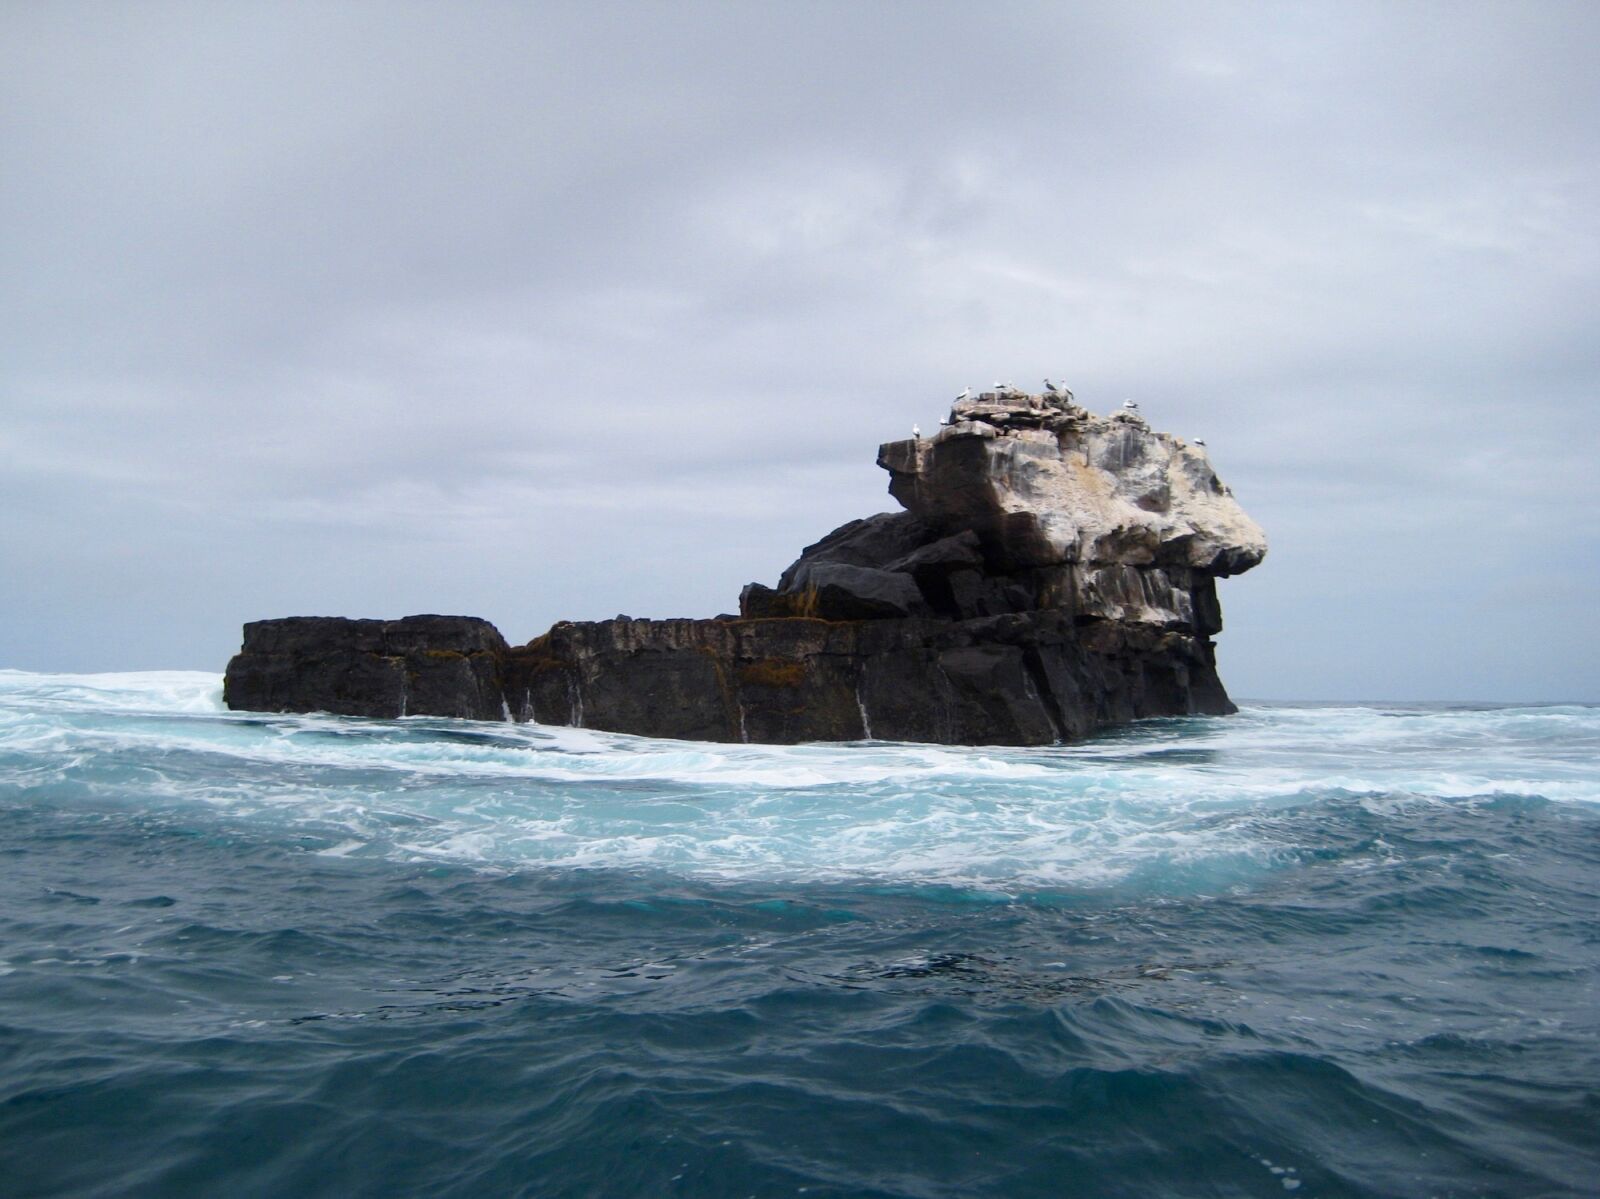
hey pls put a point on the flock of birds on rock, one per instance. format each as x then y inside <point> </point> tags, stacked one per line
<point>1050,389</point>
<point>1006,388</point>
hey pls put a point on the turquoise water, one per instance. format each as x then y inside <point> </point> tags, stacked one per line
<point>1321,950</point>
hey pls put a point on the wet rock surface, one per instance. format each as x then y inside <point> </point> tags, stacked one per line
<point>1053,573</point>
<point>417,666</point>
<point>1019,679</point>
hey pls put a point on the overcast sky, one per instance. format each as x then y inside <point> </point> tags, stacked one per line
<point>543,311</point>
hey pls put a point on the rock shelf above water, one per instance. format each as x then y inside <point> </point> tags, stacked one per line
<point>1053,572</point>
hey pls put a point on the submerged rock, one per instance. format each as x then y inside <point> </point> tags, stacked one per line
<point>1054,572</point>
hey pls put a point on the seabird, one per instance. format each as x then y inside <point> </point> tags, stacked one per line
<point>1199,441</point>
<point>1050,387</point>
<point>964,395</point>
<point>916,432</point>
<point>1130,405</point>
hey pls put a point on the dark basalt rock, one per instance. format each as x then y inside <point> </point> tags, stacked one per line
<point>1022,679</point>
<point>418,666</point>
<point>1054,574</point>
<point>846,592</point>
<point>871,541</point>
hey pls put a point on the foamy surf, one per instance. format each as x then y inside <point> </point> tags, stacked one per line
<point>1182,803</point>
<point>1188,930</point>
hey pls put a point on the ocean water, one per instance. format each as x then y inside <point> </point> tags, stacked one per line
<point>1310,950</point>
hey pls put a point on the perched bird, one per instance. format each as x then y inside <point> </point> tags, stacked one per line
<point>1199,441</point>
<point>1130,405</point>
<point>964,395</point>
<point>915,431</point>
<point>999,386</point>
<point>943,421</point>
<point>1050,387</point>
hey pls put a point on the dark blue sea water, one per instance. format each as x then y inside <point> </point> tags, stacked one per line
<point>1329,951</point>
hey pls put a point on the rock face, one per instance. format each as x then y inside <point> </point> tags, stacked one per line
<point>419,666</point>
<point>1018,679</point>
<point>1054,572</point>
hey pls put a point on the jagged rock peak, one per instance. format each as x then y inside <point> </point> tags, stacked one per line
<point>1044,481</point>
<point>1025,502</point>
<point>1007,409</point>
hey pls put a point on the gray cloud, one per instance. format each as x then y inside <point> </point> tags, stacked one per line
<point>559,311</point>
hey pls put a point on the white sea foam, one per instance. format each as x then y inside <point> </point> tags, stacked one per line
<point>146,690</point>
<point>1183,799</point>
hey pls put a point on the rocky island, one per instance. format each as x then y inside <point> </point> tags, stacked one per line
<point>1053,572</point>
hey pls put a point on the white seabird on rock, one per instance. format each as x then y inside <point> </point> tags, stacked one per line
<point>1130,405</point>
<point>1050,387</point>
<point>964,395</point>
<point>915,431</point>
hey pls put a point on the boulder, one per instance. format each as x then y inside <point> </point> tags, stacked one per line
<point>870,541</point>
<point>846,592</point>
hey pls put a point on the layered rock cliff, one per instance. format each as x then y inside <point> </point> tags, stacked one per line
<point>1053,572</point>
